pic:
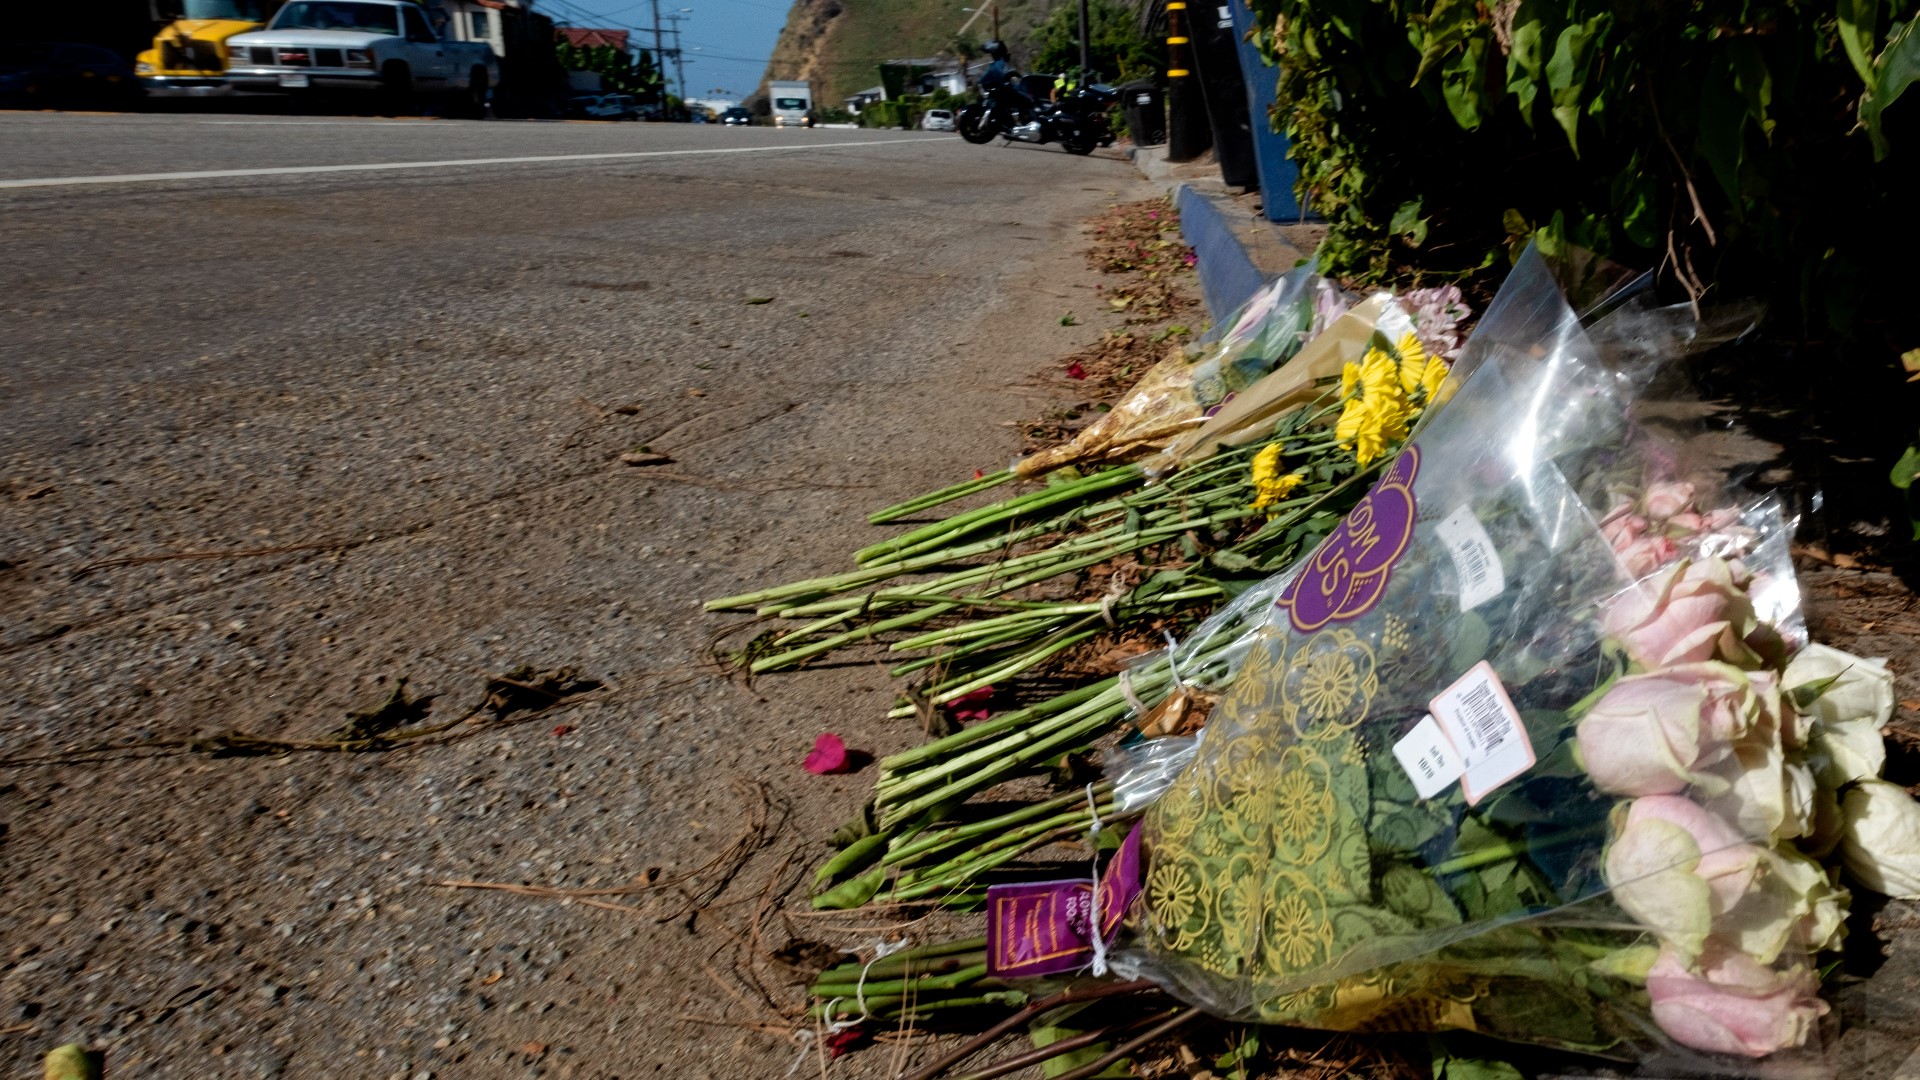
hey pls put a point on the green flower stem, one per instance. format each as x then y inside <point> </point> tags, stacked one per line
<point>975,520</point>
<point>987,627</point>
<point>885,987</point>
<point>1041,653</point>
<point>936,498</point>
<point>938,749</point>
<point>967,864</point>
<point>1000,644</point>
<point>1514,849</point>
<point>889,788</point>
<point>912,957</point>
<point>886,968</point>
<point>826,645</point>
<point>1011,827</point>
<point>837,583</point>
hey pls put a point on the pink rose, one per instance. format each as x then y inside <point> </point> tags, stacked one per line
<point>1721,857</point>
<point>1670,497</point>
<point>1683,616</point>
<point>1646,554</point>
<point>1734,1005</point>
<point>1654,734</point>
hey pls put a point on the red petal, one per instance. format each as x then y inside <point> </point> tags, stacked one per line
<point>1075,371</point>
<point>841,1042</point>
<point>829,755</point>
<point>562,729</point>
<point>977,474</point>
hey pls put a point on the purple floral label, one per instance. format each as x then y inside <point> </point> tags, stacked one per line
<point>1045,927</point>
<point>1347,573</point>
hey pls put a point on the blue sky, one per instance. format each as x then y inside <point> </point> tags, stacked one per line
<point>726,42</point>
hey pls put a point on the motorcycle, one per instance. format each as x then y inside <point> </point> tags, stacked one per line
<point>1078,121</point>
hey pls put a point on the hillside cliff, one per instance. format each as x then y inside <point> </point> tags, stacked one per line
<point>837,45</point>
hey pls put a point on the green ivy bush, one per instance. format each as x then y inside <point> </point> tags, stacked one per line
<point>1757,145</point>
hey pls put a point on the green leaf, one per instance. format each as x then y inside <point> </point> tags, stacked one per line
<point>1447,25</point>
<point>1897,68</point>
<point>1907,469</point>
<point>1804,695</point>
<point>1448,1066</point>
<point>1051,1027</point>
<point>1567,68</point>
<point>1408,222</point>
<point>1754,81</point>
<point>1526,64</point>
<point>1463,84</point>
<point>1859,26</point>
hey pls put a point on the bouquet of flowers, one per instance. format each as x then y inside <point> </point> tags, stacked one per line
<point>1530,746</point>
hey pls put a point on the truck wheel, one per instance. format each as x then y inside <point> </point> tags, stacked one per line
<point>474,103</point>
<point>396,89</point>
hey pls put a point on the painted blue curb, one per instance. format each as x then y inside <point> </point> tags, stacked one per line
<point>1227,274</point>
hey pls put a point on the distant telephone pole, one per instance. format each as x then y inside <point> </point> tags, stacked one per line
<point>1086,64</point>
<point>659,53</point>
<point>679,63</point>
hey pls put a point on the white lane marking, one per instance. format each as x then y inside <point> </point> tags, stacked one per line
<point>330,123</point>
<point>293,170</point>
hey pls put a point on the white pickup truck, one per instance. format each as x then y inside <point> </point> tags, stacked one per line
<point>382,47</point>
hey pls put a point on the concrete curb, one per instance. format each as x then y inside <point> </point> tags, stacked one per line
<point>1233,257</point>
<point>1226,271</point>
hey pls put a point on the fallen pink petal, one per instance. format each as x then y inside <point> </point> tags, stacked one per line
<point>829,755</point>
<point>972,705</point>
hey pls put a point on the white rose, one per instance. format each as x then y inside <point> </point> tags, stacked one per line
<point>1847,750</point>
<point>1860,688</point>
<point>1880,838</point>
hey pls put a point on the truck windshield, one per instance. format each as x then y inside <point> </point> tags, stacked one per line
<point>789,103</point>
<point>339,15</point>
<point>244,10</point>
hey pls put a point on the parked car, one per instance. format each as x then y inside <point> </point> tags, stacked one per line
<point>383,47</point>
<point>47,74</point>
<point>736,117</point>
<point>937,120</point>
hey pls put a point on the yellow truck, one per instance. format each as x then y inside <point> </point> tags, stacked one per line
<point>189,54</point>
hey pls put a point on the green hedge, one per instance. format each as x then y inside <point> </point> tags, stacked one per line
<point>1762,146</point>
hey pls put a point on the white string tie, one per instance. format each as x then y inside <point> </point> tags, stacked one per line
<point>1093,841</point>
<point>1126,691</point>
<point>1173,647</point>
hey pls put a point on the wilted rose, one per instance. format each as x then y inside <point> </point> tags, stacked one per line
<point>1695,611</point>
<point>1731,1004</point>
<point>1670,497</point>
<point>1646,554</point>
<point>1880,838</point>
<point>1676,867</point>
<point>1655,734</point>
<point>1843,686</point>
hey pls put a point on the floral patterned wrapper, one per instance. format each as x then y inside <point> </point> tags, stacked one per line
<point>1387,824</point>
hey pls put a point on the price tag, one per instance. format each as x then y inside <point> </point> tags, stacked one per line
<point>1484,727</point>
<point>1429,758</point>
<point>1475,559</point>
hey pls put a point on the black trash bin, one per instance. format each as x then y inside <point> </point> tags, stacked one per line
<point>1146,112</point>
<point>1216,53</point>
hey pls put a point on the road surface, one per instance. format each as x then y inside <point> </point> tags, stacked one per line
<point>383,408</point>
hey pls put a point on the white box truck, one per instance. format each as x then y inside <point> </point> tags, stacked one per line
<point>791,102</point>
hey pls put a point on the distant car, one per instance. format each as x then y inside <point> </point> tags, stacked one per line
<point>49,74</point>
<point>603,107</point>
<point>937,120</point>
<point>736,117</point>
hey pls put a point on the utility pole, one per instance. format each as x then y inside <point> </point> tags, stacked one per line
<point>659,53</point>
<point>679,64</point>
<point>1086,64</point>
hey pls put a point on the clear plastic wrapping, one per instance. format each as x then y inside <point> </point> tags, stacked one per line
<point>1510,751</point>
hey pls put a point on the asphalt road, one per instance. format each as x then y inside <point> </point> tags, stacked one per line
<point>383,409</point>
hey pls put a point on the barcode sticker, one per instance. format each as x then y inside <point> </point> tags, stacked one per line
<point>1429,758</point>
<point>1484,727</point>
<point>1475,558</point>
